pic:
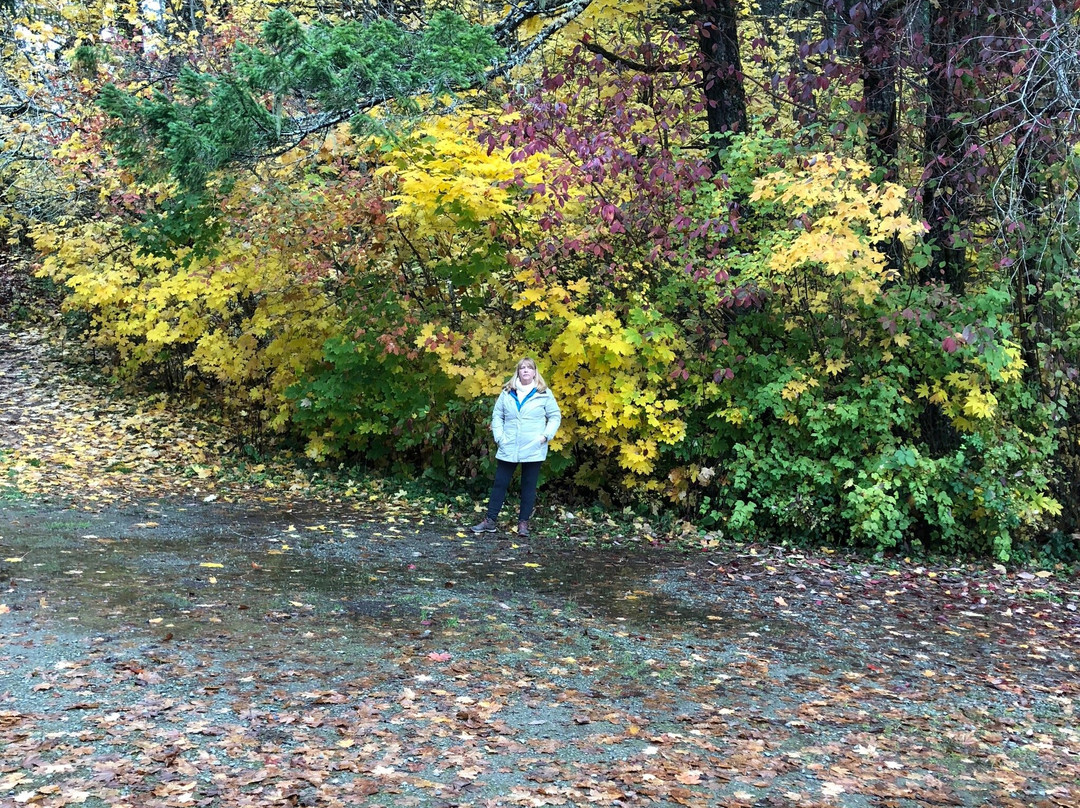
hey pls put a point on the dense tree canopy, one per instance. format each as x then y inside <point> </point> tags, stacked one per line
<point>798,270</point>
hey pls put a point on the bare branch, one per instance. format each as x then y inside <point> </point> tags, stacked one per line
<point>519,14</point>
<point>569,12</point>
<point>623,61</point>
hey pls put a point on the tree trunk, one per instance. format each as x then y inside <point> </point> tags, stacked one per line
<point>947,201</point>
<point>721,70</point>
<point>876,24</point>
<point>1027,278</point>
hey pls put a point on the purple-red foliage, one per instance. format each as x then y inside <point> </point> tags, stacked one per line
<point>625,145</point>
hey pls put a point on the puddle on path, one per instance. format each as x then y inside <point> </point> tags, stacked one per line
<point>220,568</point>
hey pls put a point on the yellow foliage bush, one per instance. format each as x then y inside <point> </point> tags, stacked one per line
<point>242,319</point>
<point>445,178</point>
<point>616,398</point>
<point>839,217</point>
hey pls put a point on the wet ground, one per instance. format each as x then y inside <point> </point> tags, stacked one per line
<point>191,653</point>
<point>178,632</point>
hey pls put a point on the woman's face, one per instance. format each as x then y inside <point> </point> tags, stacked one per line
<point>526,373</point>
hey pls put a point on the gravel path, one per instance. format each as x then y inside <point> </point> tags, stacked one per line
<point>228,644</point>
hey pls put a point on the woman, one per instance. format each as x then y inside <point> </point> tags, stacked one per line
<point>523,422</point>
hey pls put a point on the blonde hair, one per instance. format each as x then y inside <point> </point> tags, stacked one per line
<point>541,385</point>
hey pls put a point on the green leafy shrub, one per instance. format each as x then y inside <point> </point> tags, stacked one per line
<point>857,454</point>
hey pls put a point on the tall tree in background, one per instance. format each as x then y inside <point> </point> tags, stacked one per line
<point>878,27</point>
<point>722,81</point>
<point>947,193</point>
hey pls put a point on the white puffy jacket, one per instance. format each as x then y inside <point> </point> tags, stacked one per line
<point>519,430</point>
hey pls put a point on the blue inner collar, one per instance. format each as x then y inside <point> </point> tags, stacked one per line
<point>521,402</point>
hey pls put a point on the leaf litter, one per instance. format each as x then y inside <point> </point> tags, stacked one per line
<point>163,649</point>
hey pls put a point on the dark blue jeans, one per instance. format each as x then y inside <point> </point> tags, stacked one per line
<point>530,474</point>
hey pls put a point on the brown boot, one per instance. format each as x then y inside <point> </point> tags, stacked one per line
<point>523,528</point>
